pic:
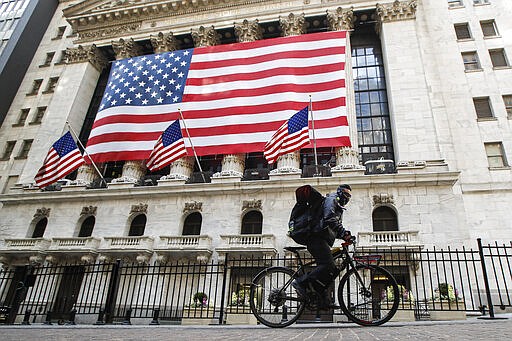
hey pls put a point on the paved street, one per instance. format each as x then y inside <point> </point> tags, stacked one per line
<point>471,329</point>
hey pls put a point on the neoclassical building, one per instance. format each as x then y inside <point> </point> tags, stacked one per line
<point>429,103</point>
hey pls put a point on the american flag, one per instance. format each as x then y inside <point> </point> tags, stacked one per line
<point>291,136</point>
<point>169,148</point>
<point>63,158</point>
<point>233,96</point>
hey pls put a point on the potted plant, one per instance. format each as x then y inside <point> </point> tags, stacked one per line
<point>405,310</point>
<point>200,299</point>
<point>447,304</point>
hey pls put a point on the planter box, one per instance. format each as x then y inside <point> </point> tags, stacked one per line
<point>447,314</point>
<point>401,315</point>
<point>241,319</point>
<point>198,316</point>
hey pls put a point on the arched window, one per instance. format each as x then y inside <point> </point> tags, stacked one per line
<point>252,223</point>
<point>384,219</point>
<point>40,228</point>
<point>192,224</point>
<point>87,227</point>
<point>138,225</point>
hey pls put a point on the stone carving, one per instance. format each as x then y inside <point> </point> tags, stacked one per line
<point>232,165</point>
<point>193,206</point>
<point>293,25</point>
<point>205,36</point>
<point>140,208</point>
<point>347,158</point>
<point>89,210</point>
<point>288,163</point>
<point>133,172</point>
<point>42,212</point>
<point>88,53</point>
<point>249,204</point>
<point>383,198</point>
<point>248,31</point>
<point>108,32</point>
<point>180,169</point>
<point>126,48</point>
<point>341,19</point>
<point>117,3</point>
<point>85,175</point>
<point>164,42</point>
<point>398,10</point>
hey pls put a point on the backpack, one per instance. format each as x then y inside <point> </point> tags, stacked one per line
<point>307,214</point>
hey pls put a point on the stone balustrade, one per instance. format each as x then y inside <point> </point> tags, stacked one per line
<point>27,244</point>
<point>77,243</point>
<point>389,238</point>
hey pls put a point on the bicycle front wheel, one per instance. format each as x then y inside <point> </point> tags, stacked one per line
<point>273,300</point>
<point>368,295</point>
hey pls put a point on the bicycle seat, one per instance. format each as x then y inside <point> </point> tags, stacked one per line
<point>294,248</point>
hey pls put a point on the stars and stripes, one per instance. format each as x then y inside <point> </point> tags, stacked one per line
<point>63,158</point>
<point>169,148</point>
<point>291,136</point>
<point>233,97</point>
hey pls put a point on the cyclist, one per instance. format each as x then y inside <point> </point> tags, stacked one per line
<point>319,246</point>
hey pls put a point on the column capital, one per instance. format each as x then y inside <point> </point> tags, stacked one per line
<point>205,36</point>
<point>398,10</point>
<point>164,42</point>
<point>341,19</point>
<point>293,25</point>
<point>248,31</point>
<point>88,53</point>
<point>126,48</point>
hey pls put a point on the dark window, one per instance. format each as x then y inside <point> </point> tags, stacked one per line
<point>384,219</point>
<point>48,59</point>
<point>470,60</point>
<point>60,32</point>
<point>489,28</point>
<point>495,155</point>
<point>9,146</point>
<point>35,86</point>
<point>192,224</point>
<point>138,225</point>
<point>252,223</point>
<point>52,83</point>
<point>455,3</point>
<point>462,31</point>
<point>498,58</point>
<point>482,107</point>
<point>87,227</point>
<point>23,117</point>
<point>507,99</point>
<point>40,228</point>
<point>39,115</point>
<point>25,148</point>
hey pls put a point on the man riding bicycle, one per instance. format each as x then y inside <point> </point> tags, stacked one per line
<point>323,232</point>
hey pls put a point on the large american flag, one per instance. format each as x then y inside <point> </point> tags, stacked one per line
<point>169,148</point>
<point>233,97</point>
<point>63,158</point>
<point>291,136</point>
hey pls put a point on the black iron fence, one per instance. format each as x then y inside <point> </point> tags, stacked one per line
<point>468,281</point>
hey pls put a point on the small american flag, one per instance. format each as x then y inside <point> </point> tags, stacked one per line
<point>169,148</point>
<point>291,136</point>
<point>63,158</point>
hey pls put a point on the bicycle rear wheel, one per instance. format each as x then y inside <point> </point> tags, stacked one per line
<point>273,300</point>
<point>368,295</point>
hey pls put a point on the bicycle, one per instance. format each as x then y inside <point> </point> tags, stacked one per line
<point>367,293</point>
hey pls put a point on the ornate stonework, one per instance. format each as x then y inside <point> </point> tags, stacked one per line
<point>398,10</point>
<point>108,32</point>
<point>205,36</point>
<point>347,158</point>
<point>341,19</point>
<point>288,163</point>
<point>248,31</point>
<point>86,174</point>
<point>164,42</point>
<point>293,25</point>
<point>193,206</point>
<point>89,53</point>
<point>42,212</point>
<point>89,210</point>
<point>140,208</point>
<point>126,48</point>
<point>232,165</point>
<point>383,198</point>
<point>180,169</point>
<point>133,172</point>
<point>250,204</point>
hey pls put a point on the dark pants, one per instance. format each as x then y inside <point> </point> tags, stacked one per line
<point>325,272</point>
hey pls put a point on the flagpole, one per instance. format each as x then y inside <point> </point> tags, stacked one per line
<point>85,151</point>
<point>313,128</point>
<point>193,149</point>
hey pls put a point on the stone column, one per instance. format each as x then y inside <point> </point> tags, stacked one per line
<point>133,170</point>
<point>292,25</point>
<point>413,121</point>
<point>346,157</point>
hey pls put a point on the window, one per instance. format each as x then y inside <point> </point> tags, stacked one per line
<point>498,58</point>
<point>192,224</point>
<point>462,31</point>
<point>483,107</point>
<point>470,60</point>
<point>87,227</point>
<point>507,99</point>
<point>35,86</point>
<point>384,219</point>
<point>480,2</point>
<point>252,223</point>
<point>22,118</point>
<point>8,150</point>
<point>60,32</point>
<point>25,148</point>
<point>455,3</point>
<point>495,155</point>
<point>40,228</point>
<point>48,59</point>
<point>62,58</point>
<point>39,115</point>
<point>489,28</point>
<point>138,225</point>
<point>52,83</point>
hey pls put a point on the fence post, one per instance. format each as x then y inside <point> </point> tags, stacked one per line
<point>486,279</point>
<point>223,296</point>
<point>156,314</point>
<point>26,317</point>
<point>113,287</point>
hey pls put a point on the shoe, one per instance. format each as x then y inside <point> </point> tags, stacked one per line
<point>299,288</point>
<point>326,303</point>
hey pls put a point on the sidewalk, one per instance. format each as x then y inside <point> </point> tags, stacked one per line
<point>470,329</point>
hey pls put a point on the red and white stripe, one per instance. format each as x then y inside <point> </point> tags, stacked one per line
<point>162,156</point>
<point>55,168</point>
<point>282,143</point>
